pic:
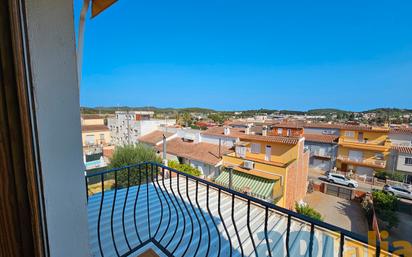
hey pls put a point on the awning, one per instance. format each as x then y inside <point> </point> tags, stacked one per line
<point>259,187</point>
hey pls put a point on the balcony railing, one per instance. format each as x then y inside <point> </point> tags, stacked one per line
<point>364,141</point>
<point>368,162</point>
<point>324,154</point>
<point>149,205</point>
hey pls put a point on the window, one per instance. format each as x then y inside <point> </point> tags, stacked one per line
<point>289,132</point>
<point>241,151</point>
<point>255,148</point>
<point>280,131</point>
<point>408,161</point>
<point>350,134</point>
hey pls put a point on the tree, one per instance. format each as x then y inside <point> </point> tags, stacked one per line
<point>129,155</point>
<point>306,210</point>
<point>184,168</point>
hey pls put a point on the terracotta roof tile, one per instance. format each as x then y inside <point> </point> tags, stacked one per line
<point>403,149</point>
<point>407,131</point>
<point>203,152</point>
<point>321,138</point>
<point>88,128</point>
<point>240,133</point>
<point>346,127</point>
<point>154,137</point>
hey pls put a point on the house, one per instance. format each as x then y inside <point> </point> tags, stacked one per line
<point>323,150</point>
<point>94,130</point>
<point>127,126</point>
<point>205,157</point>
<point>363,149</point>
<point>287,129</point>
<point>94,135</point>
<point>401,152</point>
<point>272,168</point>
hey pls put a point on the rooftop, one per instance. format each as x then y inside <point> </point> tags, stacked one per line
<point>329,139</point>
<point>407,131</point>
<point>155,137</point>
<point>402,149</point>
<point>240,133</point>
<point>203,152</point>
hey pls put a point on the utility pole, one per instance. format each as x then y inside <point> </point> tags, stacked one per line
<point>128,126</point>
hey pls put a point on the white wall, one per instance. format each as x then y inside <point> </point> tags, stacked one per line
<point>401,139</point>
<point>401,163</point>
<point>228,142</point>
<point>53,63</point>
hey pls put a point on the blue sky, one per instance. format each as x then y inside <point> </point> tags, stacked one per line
<point>236,55</point>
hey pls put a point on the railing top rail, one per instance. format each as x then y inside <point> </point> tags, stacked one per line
<point>346,233</point>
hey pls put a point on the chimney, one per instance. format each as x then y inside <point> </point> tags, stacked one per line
<point>226,130</point>
<point>164,151</point>
<point>247,130</point>
<point>264,130</point>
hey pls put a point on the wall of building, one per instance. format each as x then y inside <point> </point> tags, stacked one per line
<point>121,128</point>
<point>228,142</point>
<point>87,122</point>
<point>322,131</point>
<point>297,178</point>
<point>97,138</point>
<point>318,148</point>
<point>401,139</point>
<point>371,136</point>
<point>51,42</point>
<point>400,165</point>
<point>281,153</point>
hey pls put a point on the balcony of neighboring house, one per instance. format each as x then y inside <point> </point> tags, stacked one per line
<point>150,207</point>
<point>359,140</point>
<point>372,162</point>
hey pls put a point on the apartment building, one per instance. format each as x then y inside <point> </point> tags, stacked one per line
<point>363,149</point>
<point>272,168</point>
<point>322,141</point>
<point>127,126</point>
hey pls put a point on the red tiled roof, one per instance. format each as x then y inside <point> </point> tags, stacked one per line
<point>321,138</point>
<point>154,137</point>
<point>88,128</point>
<point>403,149</point>
<point>401,131</point>
<point>203,152</point>
<point>240,133</point>
<point>346,127</point>
<point>219,131</point>
<point>272,139</point>
<point>296,125</point>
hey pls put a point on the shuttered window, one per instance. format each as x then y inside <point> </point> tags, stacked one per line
<point>255,148</point>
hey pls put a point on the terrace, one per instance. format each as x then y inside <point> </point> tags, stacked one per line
<point>151,206</point>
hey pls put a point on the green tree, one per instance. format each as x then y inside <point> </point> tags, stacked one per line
<point>133,154</point>
<point>308,211</point>
<point>184,168</point>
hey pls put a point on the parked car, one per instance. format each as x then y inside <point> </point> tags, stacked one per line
<point>342,180</point>
<point>398,191</point>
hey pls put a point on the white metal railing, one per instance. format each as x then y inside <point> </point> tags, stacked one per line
<point>364,141</point>
<point>375,162</point>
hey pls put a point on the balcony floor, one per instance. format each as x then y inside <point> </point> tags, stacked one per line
<point>179,227</point>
